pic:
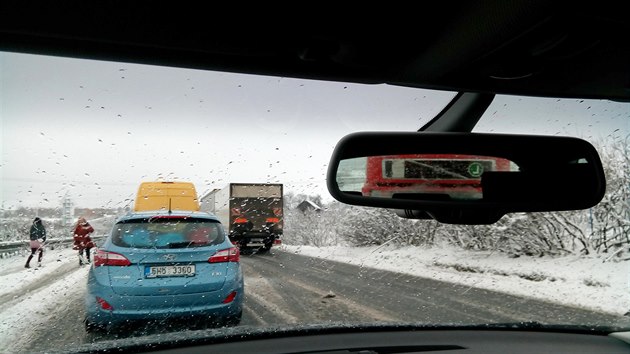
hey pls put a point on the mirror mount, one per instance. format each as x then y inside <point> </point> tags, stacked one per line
<point>461,114</point>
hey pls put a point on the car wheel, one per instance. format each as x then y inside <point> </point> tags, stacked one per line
<point>91,327</point>
<point>233,320</point>
<point>267,247</point>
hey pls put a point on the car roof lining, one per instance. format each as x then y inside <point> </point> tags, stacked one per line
<point>537,48</point>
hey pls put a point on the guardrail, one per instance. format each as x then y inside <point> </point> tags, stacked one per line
<point>10,248</point>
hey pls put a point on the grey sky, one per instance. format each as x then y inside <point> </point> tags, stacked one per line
<point>97,129</point>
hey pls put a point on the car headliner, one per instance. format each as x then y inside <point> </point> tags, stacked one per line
<point>538,48</point>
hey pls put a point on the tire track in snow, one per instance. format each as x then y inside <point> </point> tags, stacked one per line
<point>260,291</point>
<point>33,322</point>
<point>7,299</point>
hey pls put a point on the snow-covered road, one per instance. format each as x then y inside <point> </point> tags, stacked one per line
<point>46,303</point>
<point>580,281</point>
<point>27,296</point>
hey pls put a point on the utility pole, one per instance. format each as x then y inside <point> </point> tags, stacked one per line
<point>67,210</point>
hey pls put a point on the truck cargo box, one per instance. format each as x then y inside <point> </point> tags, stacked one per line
<point>251,212</point>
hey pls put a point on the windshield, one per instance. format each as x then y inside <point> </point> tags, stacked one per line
<point>80,136</point>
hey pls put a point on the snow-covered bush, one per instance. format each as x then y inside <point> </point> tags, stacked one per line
<point>603,229</point>
<point>313,227</point>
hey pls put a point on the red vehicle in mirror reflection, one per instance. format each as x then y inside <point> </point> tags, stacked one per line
<point>436,176</point>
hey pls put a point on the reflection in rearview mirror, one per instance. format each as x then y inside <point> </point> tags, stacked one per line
<point>419,176</point>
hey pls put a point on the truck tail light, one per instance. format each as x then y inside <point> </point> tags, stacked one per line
<point>105,258</point>
<point>228,255</point>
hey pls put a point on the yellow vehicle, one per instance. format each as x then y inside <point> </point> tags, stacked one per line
<point>166,196</point>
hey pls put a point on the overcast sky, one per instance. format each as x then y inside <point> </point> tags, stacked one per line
<point>96,129</point>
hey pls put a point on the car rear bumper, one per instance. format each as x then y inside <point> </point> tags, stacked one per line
<point>119,314</point>
<point>126,308</point>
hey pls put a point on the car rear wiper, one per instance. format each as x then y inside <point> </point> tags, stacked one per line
<point>180,244</point>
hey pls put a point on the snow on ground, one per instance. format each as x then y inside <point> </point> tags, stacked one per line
<point>25,310</point>
<point>579,281</point>
<point>13,275</point>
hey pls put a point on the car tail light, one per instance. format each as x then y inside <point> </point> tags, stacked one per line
<point>105,258</point>
<point>104,304</point>
<point>228,255</point>
<point>240,221</point>
<point>230,297</point>
<point>272,220</point>
<point>277,241</point>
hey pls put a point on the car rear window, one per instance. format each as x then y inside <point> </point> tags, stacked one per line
<point>167,233</point>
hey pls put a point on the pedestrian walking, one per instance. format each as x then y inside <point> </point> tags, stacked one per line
<point>82,240</point>
<point>37,236</point>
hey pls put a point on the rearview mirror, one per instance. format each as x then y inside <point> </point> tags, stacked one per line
<point>466,177</point>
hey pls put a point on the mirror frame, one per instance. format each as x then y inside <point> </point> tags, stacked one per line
<point>524,150</point>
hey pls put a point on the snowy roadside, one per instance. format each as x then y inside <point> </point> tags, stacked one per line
<point>28,310</point>
<point>14,277</point>
<point>578,281</point>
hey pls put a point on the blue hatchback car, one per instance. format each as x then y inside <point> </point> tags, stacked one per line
<point>165,265</point>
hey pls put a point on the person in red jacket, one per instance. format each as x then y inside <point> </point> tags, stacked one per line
<point>82,240</point>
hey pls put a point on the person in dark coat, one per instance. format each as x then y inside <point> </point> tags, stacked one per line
<point>37,235</point>
<point>82,240</point>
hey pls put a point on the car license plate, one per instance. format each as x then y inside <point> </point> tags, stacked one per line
<point>187,270</point>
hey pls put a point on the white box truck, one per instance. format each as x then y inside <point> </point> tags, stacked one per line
<point>252,213</point>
